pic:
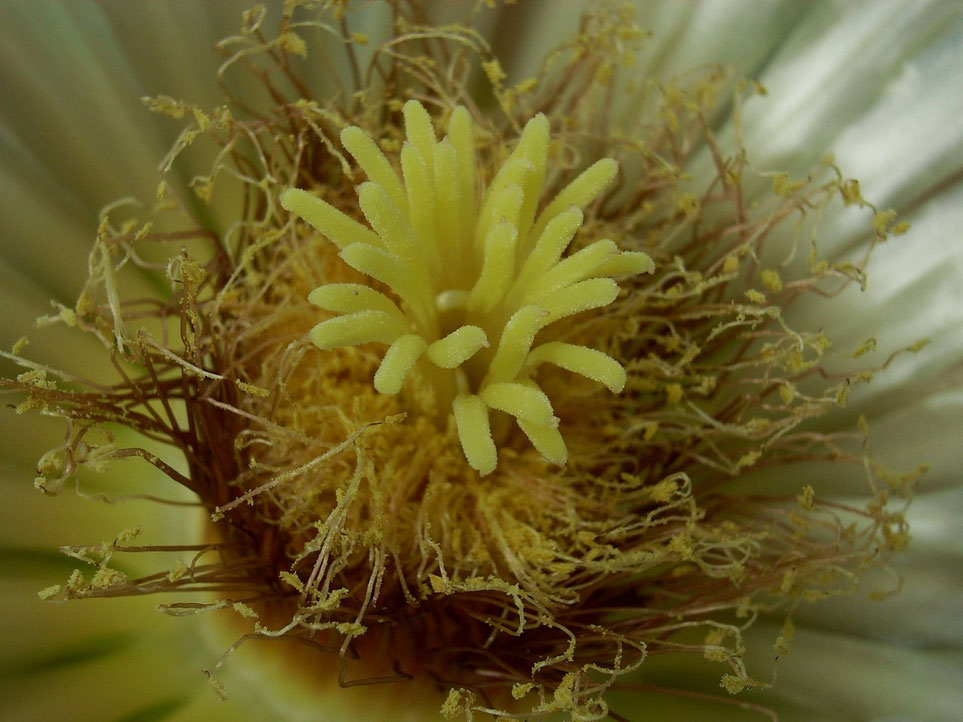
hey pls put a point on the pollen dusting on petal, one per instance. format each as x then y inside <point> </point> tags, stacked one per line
<point>487,394</point>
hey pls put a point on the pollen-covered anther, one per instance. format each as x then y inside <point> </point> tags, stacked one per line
<point>475,277</point>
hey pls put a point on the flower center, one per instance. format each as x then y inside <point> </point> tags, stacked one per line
<point>475,278</point>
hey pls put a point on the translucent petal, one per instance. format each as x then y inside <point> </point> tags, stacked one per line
<point>913,294</point>
<point>834,66</point>
<point>51,679</point>
<point>857,679</point>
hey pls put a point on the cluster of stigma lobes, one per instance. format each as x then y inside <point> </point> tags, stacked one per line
<point>475,272</point>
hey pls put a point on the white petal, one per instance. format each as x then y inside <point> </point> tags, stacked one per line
<point>67,91</point>
<point>47,230</point>
<point>835,64</point>
<point>845,678</point>
<point>907,147</point>
<point>910,140</point>
<point>301,684</point>
<point>102,672</point>
<point>928,611</point>
<point>914,293</point>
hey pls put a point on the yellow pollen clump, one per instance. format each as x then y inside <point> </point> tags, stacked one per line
<point>477,276</point>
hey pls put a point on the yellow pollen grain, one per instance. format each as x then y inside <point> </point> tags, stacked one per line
<point>771,280</point>
<point>673,394</point>
<point>756,296</point>
<point>806,498</point>
<point>50,592</point>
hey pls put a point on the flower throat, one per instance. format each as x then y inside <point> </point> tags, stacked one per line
<point>477,278</point>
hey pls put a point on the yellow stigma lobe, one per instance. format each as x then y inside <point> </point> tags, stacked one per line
<point>476,278</point>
